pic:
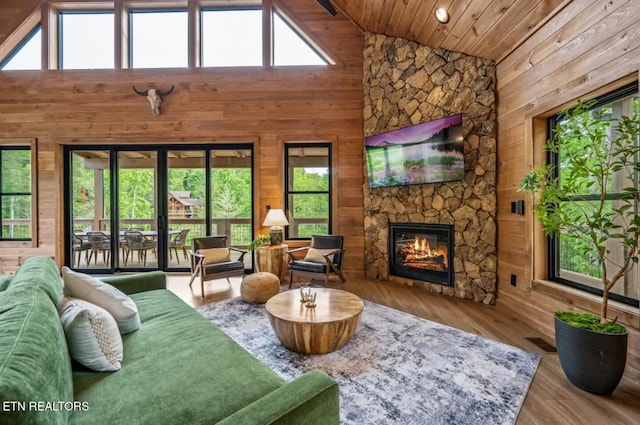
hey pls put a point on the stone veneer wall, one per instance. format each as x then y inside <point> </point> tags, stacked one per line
<point>405,84</point>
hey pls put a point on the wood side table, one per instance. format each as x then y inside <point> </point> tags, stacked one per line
<point>321,329</point>
<point>272,259</point>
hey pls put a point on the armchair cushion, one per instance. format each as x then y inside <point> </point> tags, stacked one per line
<point>308,266</point>
<point>223,267</point>
<point>214,255</point>
<point>317,255</point>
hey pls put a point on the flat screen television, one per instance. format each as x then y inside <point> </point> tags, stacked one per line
<point>430,152</point>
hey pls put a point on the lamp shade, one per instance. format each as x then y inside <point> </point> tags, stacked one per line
<point>275,217</point>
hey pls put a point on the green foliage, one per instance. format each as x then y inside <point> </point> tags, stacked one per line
<point>590,322</point>
<point>258,241</point>
<point>591,161</point>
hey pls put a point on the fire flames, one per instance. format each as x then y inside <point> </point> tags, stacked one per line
<point>420,254</point>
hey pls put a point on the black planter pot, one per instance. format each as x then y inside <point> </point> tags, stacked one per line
<point>592,361</point>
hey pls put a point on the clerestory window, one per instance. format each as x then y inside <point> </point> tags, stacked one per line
<point>27,54</point>
<point>158,38</point>
<point>85,40</point>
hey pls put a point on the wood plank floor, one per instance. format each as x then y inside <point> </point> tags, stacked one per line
<point>551,398</point>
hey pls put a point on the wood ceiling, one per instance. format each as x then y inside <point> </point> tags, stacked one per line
<point>485,28</point>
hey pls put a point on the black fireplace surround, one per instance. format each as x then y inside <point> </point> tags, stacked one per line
<point>422,251</point>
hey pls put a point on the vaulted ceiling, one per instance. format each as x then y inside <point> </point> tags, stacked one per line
<point>484,28</point>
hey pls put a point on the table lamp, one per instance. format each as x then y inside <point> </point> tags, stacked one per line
<point>276,219</point>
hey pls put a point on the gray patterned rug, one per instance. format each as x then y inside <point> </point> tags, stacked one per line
<point>398,368</point>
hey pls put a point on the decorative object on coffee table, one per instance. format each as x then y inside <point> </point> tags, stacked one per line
<point>322,329</point>
<point>276,219</point>
<point>259,287</point>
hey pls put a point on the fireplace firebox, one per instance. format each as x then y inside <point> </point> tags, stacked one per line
<point>422,251</point>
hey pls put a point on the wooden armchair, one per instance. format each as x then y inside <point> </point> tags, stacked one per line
<point>323,257</point>
<point>210,259</point>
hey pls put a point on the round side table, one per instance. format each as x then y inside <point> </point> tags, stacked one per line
<point>272,259</point>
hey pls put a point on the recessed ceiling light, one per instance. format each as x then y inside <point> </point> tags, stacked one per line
<point>442,15</point>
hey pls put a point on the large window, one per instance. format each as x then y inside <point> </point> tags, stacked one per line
<point>568,264</point>
<point>15,193</point>
<point>86,40</point>
<point>159,39</point>
<point>308,189</point>
<point>27,55</point>
<point>232,37</point>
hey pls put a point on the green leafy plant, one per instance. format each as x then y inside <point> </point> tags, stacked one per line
<point>595,155</point>
<point>259,241</point>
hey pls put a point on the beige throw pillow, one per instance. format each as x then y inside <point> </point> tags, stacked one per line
<point>214,255</point>
<point>92,334</point>
<point>116,302</point>
<point>316,255</point>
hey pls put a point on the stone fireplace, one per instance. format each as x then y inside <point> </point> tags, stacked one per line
<point>422,251</point>
<point>406,84</point>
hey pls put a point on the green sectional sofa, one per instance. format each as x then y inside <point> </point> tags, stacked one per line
<point>177,368</point>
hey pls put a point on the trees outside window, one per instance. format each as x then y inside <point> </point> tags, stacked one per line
<point>308,189</point>
<point>15,193</point>
<point>568,263</point>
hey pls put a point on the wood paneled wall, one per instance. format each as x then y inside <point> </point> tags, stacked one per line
<point>588,45</point>
<point>266,105</point>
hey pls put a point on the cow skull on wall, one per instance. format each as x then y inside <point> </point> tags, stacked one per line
<point>154,96</point>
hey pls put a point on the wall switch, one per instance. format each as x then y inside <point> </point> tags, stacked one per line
<point>513,280</point>
<point>513,207</point>
<point>520,207</point>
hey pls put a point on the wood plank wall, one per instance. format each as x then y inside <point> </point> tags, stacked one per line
<point>266,105</point>
<point>588,45</point>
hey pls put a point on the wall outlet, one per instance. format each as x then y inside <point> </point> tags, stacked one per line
<point>513,280</point>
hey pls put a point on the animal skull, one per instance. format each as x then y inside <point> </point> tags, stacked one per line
<point>154,97</point>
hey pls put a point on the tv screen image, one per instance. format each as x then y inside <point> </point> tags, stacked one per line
<point>430,152</point>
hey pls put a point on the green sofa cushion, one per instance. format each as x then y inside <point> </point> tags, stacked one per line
<point>34,361</point>
<point>175,343</point>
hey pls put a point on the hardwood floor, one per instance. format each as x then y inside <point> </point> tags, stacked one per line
<point>551,398</point>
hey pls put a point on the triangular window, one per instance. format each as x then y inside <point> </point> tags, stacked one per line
<point>290,47</point>
<point>26,55</point>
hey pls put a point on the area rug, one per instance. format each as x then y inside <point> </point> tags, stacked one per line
<point>398,368</point>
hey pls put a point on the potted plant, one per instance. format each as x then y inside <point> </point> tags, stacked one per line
<point>258,242</point>
<point>593,152</point>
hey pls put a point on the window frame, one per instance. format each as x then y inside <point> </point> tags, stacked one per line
<point>60,30</point>
<point>328,192</point>
<point>30,145</point>
<point>301,35</point>
<point>553,242</point>
<point>131,12</point>
<point>201,41</point>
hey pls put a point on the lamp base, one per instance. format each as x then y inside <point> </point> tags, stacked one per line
<point>276,235</point>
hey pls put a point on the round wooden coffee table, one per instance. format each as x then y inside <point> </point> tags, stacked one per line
<point>321,329</point>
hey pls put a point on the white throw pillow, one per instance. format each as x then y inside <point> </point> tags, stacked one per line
<point>92,334</point>
<point>214,255</point>
<point>316,255</point>
<point>116,302</point>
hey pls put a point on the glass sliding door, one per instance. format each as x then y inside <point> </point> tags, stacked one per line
<point>231,204</point>
<point>89,209</point>
<point>138,211</point>
<point>138,208</point>
<point>186,207</point>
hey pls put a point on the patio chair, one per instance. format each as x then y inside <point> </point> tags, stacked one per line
<point>136,242</point>
<point>99,242</point>
<point>323,257</point>
<point>210,258</point>
<point>179,241</point>
<point>80,244</point>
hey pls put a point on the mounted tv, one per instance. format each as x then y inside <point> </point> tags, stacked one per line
<point>430,152</point>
